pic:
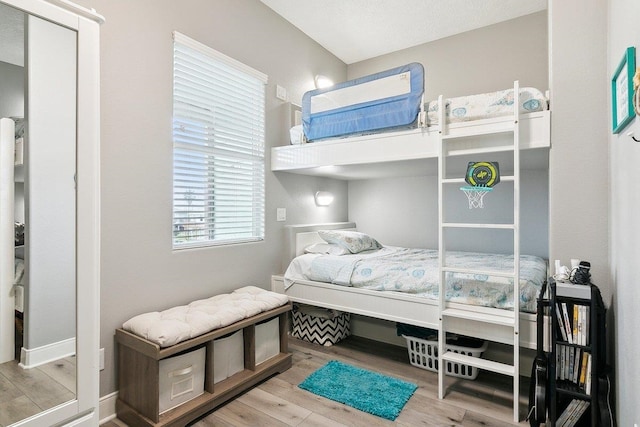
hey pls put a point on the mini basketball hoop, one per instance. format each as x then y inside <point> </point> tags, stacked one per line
<point>476,195</point>
<point>481,177</point>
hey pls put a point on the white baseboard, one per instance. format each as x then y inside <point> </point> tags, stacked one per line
<point>107,407</point>
<point>33,357</point>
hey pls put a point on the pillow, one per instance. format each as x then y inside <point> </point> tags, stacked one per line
<point>325,248</point>
<point>352,241</point>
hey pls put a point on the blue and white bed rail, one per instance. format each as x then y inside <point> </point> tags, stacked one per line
<point>391,99</point>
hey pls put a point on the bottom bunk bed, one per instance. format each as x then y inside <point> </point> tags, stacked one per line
<point>417,307</point>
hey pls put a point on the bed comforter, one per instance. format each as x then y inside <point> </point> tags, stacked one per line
<point>416,271</point>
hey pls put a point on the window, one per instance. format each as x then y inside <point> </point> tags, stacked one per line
<point>218,147</point>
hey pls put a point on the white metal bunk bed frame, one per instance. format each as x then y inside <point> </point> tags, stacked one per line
<point>333,158</point>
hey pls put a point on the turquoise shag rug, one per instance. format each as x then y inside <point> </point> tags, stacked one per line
<point>367,391</point>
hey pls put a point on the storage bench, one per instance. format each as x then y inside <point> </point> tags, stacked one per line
<point>162,386</point>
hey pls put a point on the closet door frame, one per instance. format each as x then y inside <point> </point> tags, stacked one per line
<point>83,410</point>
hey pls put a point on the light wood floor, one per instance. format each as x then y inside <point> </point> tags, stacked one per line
<point>279,402</point>
<point>25,392</point>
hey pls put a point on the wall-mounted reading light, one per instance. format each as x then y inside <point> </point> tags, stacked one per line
<point>322,81</point>
<point>323,198</point>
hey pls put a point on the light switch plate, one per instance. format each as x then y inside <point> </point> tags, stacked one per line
<point>281,93</point>
<point>281,214</point>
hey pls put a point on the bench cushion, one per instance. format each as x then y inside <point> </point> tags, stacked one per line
<point>178,324</point>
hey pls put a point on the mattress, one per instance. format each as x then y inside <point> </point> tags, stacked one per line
<point>390,99</point>
<point>416,271</point>
<point>487,105</point>
<point>459,109</point>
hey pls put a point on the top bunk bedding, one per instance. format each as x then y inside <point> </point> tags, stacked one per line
<point>416,272</point>
<point>393,100</point>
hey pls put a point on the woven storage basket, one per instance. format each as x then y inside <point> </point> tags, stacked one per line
<point>320,326</point>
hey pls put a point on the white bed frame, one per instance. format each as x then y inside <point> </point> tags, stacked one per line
<point>392,306</point>
<point>406,152</point>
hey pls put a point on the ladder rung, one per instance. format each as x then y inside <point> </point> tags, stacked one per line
<point>477,225</point>
<point>481,272</point>
<point>470,151</point>
<point>455,180</point>
<point>477,362</point>
<point>505,318</point>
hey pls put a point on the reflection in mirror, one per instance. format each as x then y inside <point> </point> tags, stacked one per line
<point>38,215</point>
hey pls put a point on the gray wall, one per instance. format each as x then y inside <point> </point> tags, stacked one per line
<point>403,211</point>
<point>478,61</point>
<point>140,272</point>
<point>579,221</point>
<point>625,229</point>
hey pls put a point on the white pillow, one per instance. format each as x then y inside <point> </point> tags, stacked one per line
<point>352,241</point>
<point>325,248</point>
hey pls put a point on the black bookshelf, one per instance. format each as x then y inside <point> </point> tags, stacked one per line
<point>568,388</point>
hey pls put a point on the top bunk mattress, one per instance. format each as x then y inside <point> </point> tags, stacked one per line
<point>416,271</point>
<point>487,105</point>
<point>393,100</point>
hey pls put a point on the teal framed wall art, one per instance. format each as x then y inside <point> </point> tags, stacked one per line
<point>622,91</point>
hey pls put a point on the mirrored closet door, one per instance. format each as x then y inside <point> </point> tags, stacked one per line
<point>48,213</point>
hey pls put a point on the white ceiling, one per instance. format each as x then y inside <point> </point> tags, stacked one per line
<point>355,30</point>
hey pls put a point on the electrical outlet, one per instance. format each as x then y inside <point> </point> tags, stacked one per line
<point>101,362</point>
<point>281,214</point>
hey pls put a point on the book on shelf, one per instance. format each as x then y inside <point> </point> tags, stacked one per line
<point>576,366</point>
<point>575,414</point>
<point>587,340</point>
<point>583,370</point>
<point>576,323</point>
<point>558,360</point>
<point>585,324</point>
<point>580,321</point>
<point>563,331</point>
<point>567,411</point>
<point>567,325</point>
<point>587,381</point>
<point>572,355</point>
<point>560,365</point>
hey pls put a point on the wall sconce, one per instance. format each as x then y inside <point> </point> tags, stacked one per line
<point>322,81</point>
<point>323,198</point>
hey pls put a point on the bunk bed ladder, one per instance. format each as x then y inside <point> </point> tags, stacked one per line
<point>501,318</point>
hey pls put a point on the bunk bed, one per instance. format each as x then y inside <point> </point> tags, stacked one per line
<point>402,307</point>
<point>410,143</point>
<point>380,126</point>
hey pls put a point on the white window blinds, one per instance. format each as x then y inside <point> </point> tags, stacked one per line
<point>218,147</point>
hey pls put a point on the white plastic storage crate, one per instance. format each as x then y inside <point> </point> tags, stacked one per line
<point>424,354</point>
<point>181,378</point>
<point>267,340</point>
<point>228,356</point>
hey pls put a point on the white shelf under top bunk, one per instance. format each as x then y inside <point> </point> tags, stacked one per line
<point>409,152</point>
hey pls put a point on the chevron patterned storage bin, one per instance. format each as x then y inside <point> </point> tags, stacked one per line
<point>320,325</point>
